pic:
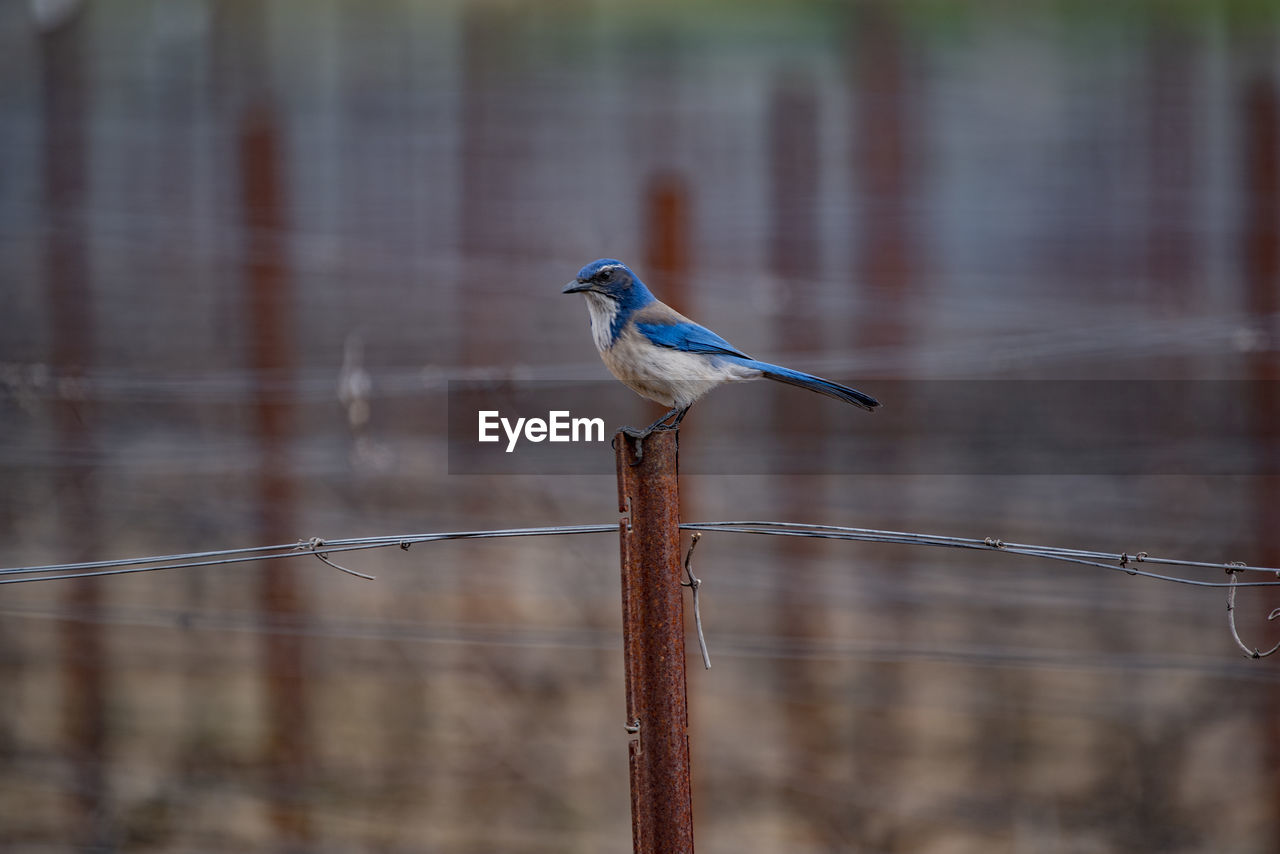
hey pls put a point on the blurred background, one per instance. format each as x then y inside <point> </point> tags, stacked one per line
<point>245,246</point>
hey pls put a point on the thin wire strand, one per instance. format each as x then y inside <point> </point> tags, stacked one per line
<point>695,584</point>
<point>223,557</point>
<point>1118,562</point>
<point>1250,652</point>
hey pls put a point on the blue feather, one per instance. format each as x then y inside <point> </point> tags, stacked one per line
<point>812,383</point>
<point>688,337</point>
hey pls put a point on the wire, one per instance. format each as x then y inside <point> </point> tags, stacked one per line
<point>1119,562</point>
<point>301,548</point>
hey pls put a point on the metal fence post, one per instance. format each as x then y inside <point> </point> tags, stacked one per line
<point>653,645</point>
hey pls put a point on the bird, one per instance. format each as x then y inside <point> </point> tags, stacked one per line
<point>664,356</point>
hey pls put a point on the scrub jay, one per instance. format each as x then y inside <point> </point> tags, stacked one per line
<point>660,354</point>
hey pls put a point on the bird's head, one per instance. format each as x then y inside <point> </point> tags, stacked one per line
<point>610,279</point>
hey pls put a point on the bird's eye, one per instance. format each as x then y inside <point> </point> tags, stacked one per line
<point>605,275</point>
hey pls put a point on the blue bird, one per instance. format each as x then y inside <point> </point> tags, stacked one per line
<point>660,354</point>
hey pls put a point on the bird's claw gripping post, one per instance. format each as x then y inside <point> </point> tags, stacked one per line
<point>659,426</point>
<point>637,437</point>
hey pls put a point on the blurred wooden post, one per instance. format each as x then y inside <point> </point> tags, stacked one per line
<point>67,282</point>
<point>269,304</point>
<point>1261,266</point>
<point>666,238</point>
<point>242,76</point>
<point>653,645</point>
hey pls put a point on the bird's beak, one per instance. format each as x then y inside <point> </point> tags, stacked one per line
<point>576,287</point>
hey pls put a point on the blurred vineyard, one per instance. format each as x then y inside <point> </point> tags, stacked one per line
<point>246,246</point>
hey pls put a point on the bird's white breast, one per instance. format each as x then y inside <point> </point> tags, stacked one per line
<point>671,377</point>
<point>603,311</point>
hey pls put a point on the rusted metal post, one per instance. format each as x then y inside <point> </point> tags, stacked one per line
<point>653,646</point>
<point>1261,266</point>
<point>666,237</point>
<point>66,109</point>
<point>269,304</point>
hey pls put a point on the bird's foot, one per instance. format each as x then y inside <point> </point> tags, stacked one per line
<point>659,426</point>
<point>636,432</point>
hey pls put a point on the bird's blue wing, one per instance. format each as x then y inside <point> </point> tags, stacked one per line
<point>688,337</point>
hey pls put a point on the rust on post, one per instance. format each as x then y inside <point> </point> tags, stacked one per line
<point>269,302</point>
<point>1260,252</point>
<point>85,671</point>
<point>666,237</point>
<point>653,645</point>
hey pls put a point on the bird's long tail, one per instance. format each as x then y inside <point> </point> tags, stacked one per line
<point>818,384</point>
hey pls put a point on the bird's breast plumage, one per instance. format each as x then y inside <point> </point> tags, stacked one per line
<point>604,320</point>
<point>671,377</point>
